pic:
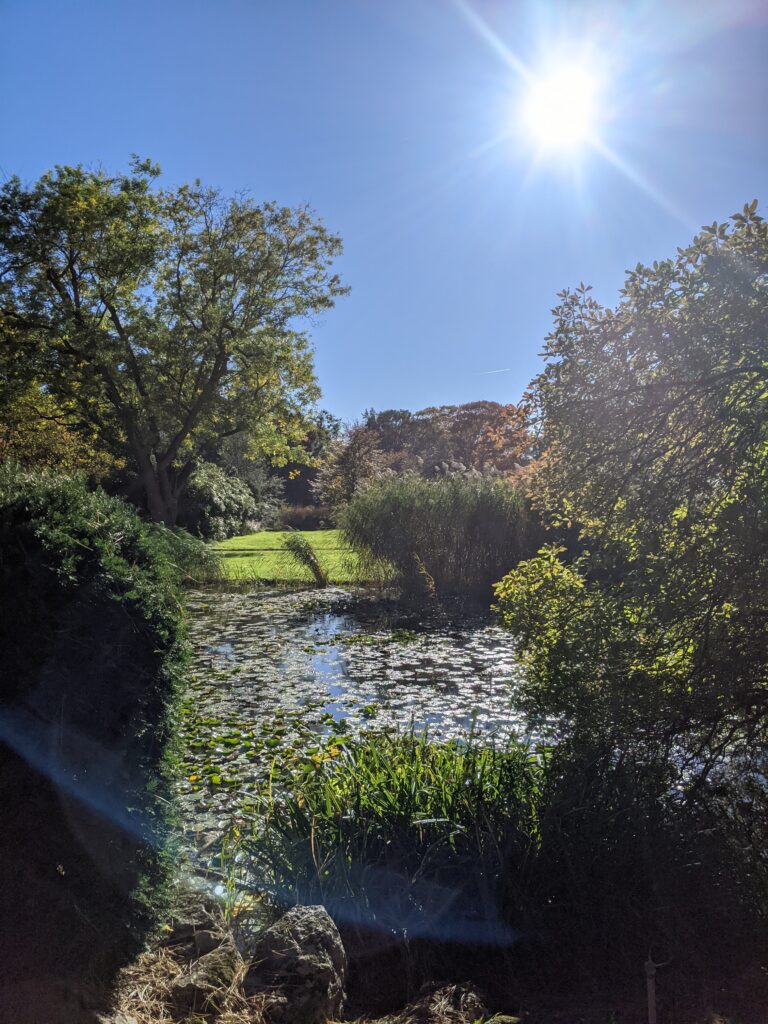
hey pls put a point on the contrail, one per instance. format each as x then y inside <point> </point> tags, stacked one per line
<point>485,373</point>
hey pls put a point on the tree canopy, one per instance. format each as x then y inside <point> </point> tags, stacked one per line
<point>163,320</point>
<point>654,420</point>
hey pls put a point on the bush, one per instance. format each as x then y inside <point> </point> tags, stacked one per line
<point>454,535</point>
<point>189,559</point>
<point>90,650</point>
<point>304,517</point>
<point>217,505</point>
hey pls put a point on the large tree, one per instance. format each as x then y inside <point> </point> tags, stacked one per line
<point>654,415</point>
<point>166,319</point>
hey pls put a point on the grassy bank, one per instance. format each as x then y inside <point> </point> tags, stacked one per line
<point>263,556</point>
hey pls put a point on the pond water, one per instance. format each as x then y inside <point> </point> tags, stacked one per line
<point>278,670</point>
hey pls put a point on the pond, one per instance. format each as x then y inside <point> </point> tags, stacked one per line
<point>276,671</point>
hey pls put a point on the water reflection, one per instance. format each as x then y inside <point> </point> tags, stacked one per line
<point>275,669</point>
<point>331,653</point>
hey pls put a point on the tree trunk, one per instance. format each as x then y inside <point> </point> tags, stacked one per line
<point>160,508</point>
<point>163,487</point>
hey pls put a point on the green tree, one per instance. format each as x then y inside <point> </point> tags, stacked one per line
<point>655,420</point>
<point>662,402</point>
<point>36,432</point>
<point>349,464</point>
<point>168,319</point>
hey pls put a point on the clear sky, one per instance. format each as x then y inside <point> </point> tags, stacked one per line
<point>401,122</point>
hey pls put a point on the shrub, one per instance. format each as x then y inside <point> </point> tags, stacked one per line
<point>90,650</point>
<point>304,517</point>
<point>454,535</point>
<point>189,558</point>
<point>216,505</point>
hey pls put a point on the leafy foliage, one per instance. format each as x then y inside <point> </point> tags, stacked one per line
<point>476,436</point>
<point>216,505</point>
<point>654,417</point>
<point>647,653</point>
<point>91,648</point>
<point>36,431</point>
<point>350,464</point>
<point>657,408</point>
<point>168,319</point>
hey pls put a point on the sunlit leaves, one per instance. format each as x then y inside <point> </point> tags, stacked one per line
<point>169,319</point>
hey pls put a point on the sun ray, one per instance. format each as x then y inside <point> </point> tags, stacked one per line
<point>483,29</point>
<point>549,122</point>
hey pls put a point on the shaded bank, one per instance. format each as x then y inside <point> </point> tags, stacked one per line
<point>90,648</point>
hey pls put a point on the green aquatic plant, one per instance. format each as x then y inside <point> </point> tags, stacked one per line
<point>397,832</point>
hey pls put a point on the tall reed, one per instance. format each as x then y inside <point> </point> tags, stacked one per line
<point>454,535</point>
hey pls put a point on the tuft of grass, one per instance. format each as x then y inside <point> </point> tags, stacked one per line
<point>264,557</point>
<point>303,553</point>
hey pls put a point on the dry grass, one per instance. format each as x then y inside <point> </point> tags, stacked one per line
<point>145,994</point>
<point>452,1004</point>
<point>145,997</point>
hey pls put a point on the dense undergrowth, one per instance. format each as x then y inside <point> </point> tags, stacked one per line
<point>91,649</point>
<point>543,873</point>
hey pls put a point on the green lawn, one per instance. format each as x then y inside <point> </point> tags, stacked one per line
<point>262,556</point>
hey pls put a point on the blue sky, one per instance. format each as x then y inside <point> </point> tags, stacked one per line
<point>399,122</point>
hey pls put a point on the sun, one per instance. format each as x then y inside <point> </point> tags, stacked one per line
<point>561,109</point>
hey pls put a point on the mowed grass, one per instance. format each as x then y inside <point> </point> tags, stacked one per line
<point>262,556</point>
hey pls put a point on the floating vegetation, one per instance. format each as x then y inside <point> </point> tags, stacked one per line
<point>284,675</point>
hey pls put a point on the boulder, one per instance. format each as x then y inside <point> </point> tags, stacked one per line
<point>300,961</point>
<point>192,911</point>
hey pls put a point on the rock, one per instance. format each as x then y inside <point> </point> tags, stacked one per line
<point>193,911</point>
<point>206,941</point>
<point>205,985</point>
<point>301,962</point>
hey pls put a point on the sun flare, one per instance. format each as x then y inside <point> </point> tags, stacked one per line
<point>560,110</point>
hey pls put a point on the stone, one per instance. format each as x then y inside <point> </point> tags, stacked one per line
<point>193,911</point>
<point>300,962</point>
<point>204,986</point>
<point>206,941</point>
